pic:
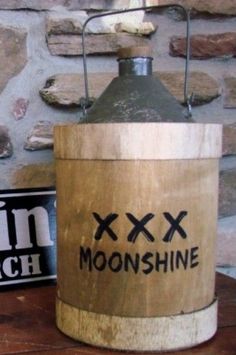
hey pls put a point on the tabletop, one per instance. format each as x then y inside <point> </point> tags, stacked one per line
<point>27,324</point>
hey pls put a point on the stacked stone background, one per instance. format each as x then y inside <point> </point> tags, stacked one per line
<point>41,79</point>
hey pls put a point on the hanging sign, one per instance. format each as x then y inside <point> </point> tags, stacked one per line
<point>27,235</point>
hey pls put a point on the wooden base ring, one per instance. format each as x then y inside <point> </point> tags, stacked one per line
<point>140,334</point>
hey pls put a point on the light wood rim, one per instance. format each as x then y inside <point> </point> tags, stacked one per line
<point>140,334</point>
<point>138,141</point>
<point>134,51</point>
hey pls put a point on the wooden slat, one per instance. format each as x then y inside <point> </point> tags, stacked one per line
<point>104,187</point>
<point>139,334</point>
<point>27,324</point>
<point>138,141</point>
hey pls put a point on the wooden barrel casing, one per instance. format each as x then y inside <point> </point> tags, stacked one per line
<point>137,212</point>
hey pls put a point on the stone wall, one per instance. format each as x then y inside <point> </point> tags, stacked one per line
<point>41,81</point>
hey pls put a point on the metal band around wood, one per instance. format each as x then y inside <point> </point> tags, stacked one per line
<point>140,334</point>
<point>138,141</point>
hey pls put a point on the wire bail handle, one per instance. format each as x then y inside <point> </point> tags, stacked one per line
<point>86,102</point>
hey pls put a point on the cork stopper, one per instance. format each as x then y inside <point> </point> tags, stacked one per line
<point>134,52</point>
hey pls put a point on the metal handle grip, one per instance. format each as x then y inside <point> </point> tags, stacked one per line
<point>187,97</point>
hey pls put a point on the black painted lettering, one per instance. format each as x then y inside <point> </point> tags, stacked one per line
<point>104,226</point>
<point>194,256</point>
<point>131,261</point>
<point>99,261</point>
<point>175,226</point>
<point>162,262</point>
<point>139,228</point>
<point>115,262</point>
<point>167,261</point>
<point>85,258</point>
<point>182,259</point>
<point>172,255</point>
<point>146,261</point>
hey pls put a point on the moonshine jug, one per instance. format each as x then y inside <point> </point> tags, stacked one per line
<point>137,190</point>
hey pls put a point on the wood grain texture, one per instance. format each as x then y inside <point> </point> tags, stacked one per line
<point>132,52</point>
<point>138,334</point>
<point>25,311</point>
<point>140,141</point>
<point>136,221</point>
<point>139,188</point>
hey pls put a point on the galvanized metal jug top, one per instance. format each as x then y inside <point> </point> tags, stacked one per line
<point>135,61</point>
<point>135,95</point>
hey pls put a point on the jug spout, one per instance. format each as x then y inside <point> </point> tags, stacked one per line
<point>135,95</point>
